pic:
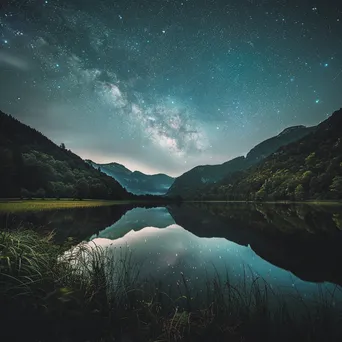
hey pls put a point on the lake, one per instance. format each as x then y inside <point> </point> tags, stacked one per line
<point>295,249</point>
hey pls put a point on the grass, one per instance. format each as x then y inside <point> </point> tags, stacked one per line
<point>15,206</point>
<point>49,295</point>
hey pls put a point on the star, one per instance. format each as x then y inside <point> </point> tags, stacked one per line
<point>177,89</point>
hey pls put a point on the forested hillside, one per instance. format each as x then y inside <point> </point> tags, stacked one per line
<point>310,168</point>
<point>31,165</point>
<point>195,181</point>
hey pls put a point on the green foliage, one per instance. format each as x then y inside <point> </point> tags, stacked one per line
<point>198,182</point>
<point>310,160</point>
<point>40,193</point>
<point>33,166</point>
<point>299,192</point>
<point>307,169</point>
<point>336,186</point>
<point>82,188</point>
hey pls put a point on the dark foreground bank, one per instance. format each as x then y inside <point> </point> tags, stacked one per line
<point>44,297</point>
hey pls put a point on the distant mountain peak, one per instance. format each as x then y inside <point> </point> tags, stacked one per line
<point>309,168</point>
<point>194,180</point>
<point>291,129</point>
<point>136,182</point>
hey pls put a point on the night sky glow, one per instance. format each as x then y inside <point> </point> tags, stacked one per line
<point>163,86</point>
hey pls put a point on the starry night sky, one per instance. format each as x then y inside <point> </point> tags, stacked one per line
<point>163,86</point>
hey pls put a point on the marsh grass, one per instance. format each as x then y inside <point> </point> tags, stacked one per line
<point>15,206</point>
<point>50,294</point>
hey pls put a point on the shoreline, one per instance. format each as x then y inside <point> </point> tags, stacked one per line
<point>16,205</point>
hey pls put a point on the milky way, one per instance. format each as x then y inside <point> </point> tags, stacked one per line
<point>162,86</point>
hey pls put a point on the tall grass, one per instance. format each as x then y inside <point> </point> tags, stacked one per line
<point>89,294</point>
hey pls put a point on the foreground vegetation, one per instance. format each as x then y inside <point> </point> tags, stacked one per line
<point>45,297</point>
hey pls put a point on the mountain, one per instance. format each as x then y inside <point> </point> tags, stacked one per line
<point>31,165</point>
<point>269,146</point>
<point>191,183</point>
<point>136,182</point>
<point>310,168</point>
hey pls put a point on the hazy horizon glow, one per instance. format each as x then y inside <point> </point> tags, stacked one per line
<point>163,86</point>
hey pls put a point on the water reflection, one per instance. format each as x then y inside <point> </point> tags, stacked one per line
<point>165,254</point>
<point>289,246</point>
<point>302,239</point>
<point>277,244</point>
<point>79,223</point>
<point>137,219</point>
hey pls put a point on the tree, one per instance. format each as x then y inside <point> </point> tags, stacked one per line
<point>82,188</point>
<point>58,189</point>
<point>62,146</point>
<point>261,194</point>
<point>310,160</point>
<point>299,192</point>
<point>40,193</point>
<point>24,193</point>
<point>336,186</point>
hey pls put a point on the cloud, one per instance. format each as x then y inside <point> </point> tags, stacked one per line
<point>167,126</point>
<point>13,61</point>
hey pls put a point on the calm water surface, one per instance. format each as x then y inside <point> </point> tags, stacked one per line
<point>293,248</point>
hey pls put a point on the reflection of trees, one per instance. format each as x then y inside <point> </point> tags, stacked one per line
<point>79,223</point>
<point>303,239</point>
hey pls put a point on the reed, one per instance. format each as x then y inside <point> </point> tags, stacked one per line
<point>48,293</point>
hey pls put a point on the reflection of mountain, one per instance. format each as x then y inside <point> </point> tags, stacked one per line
<point>279,234</point>
<point>137,219</point>
<point>136,182</point>
<point>80,223</point>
